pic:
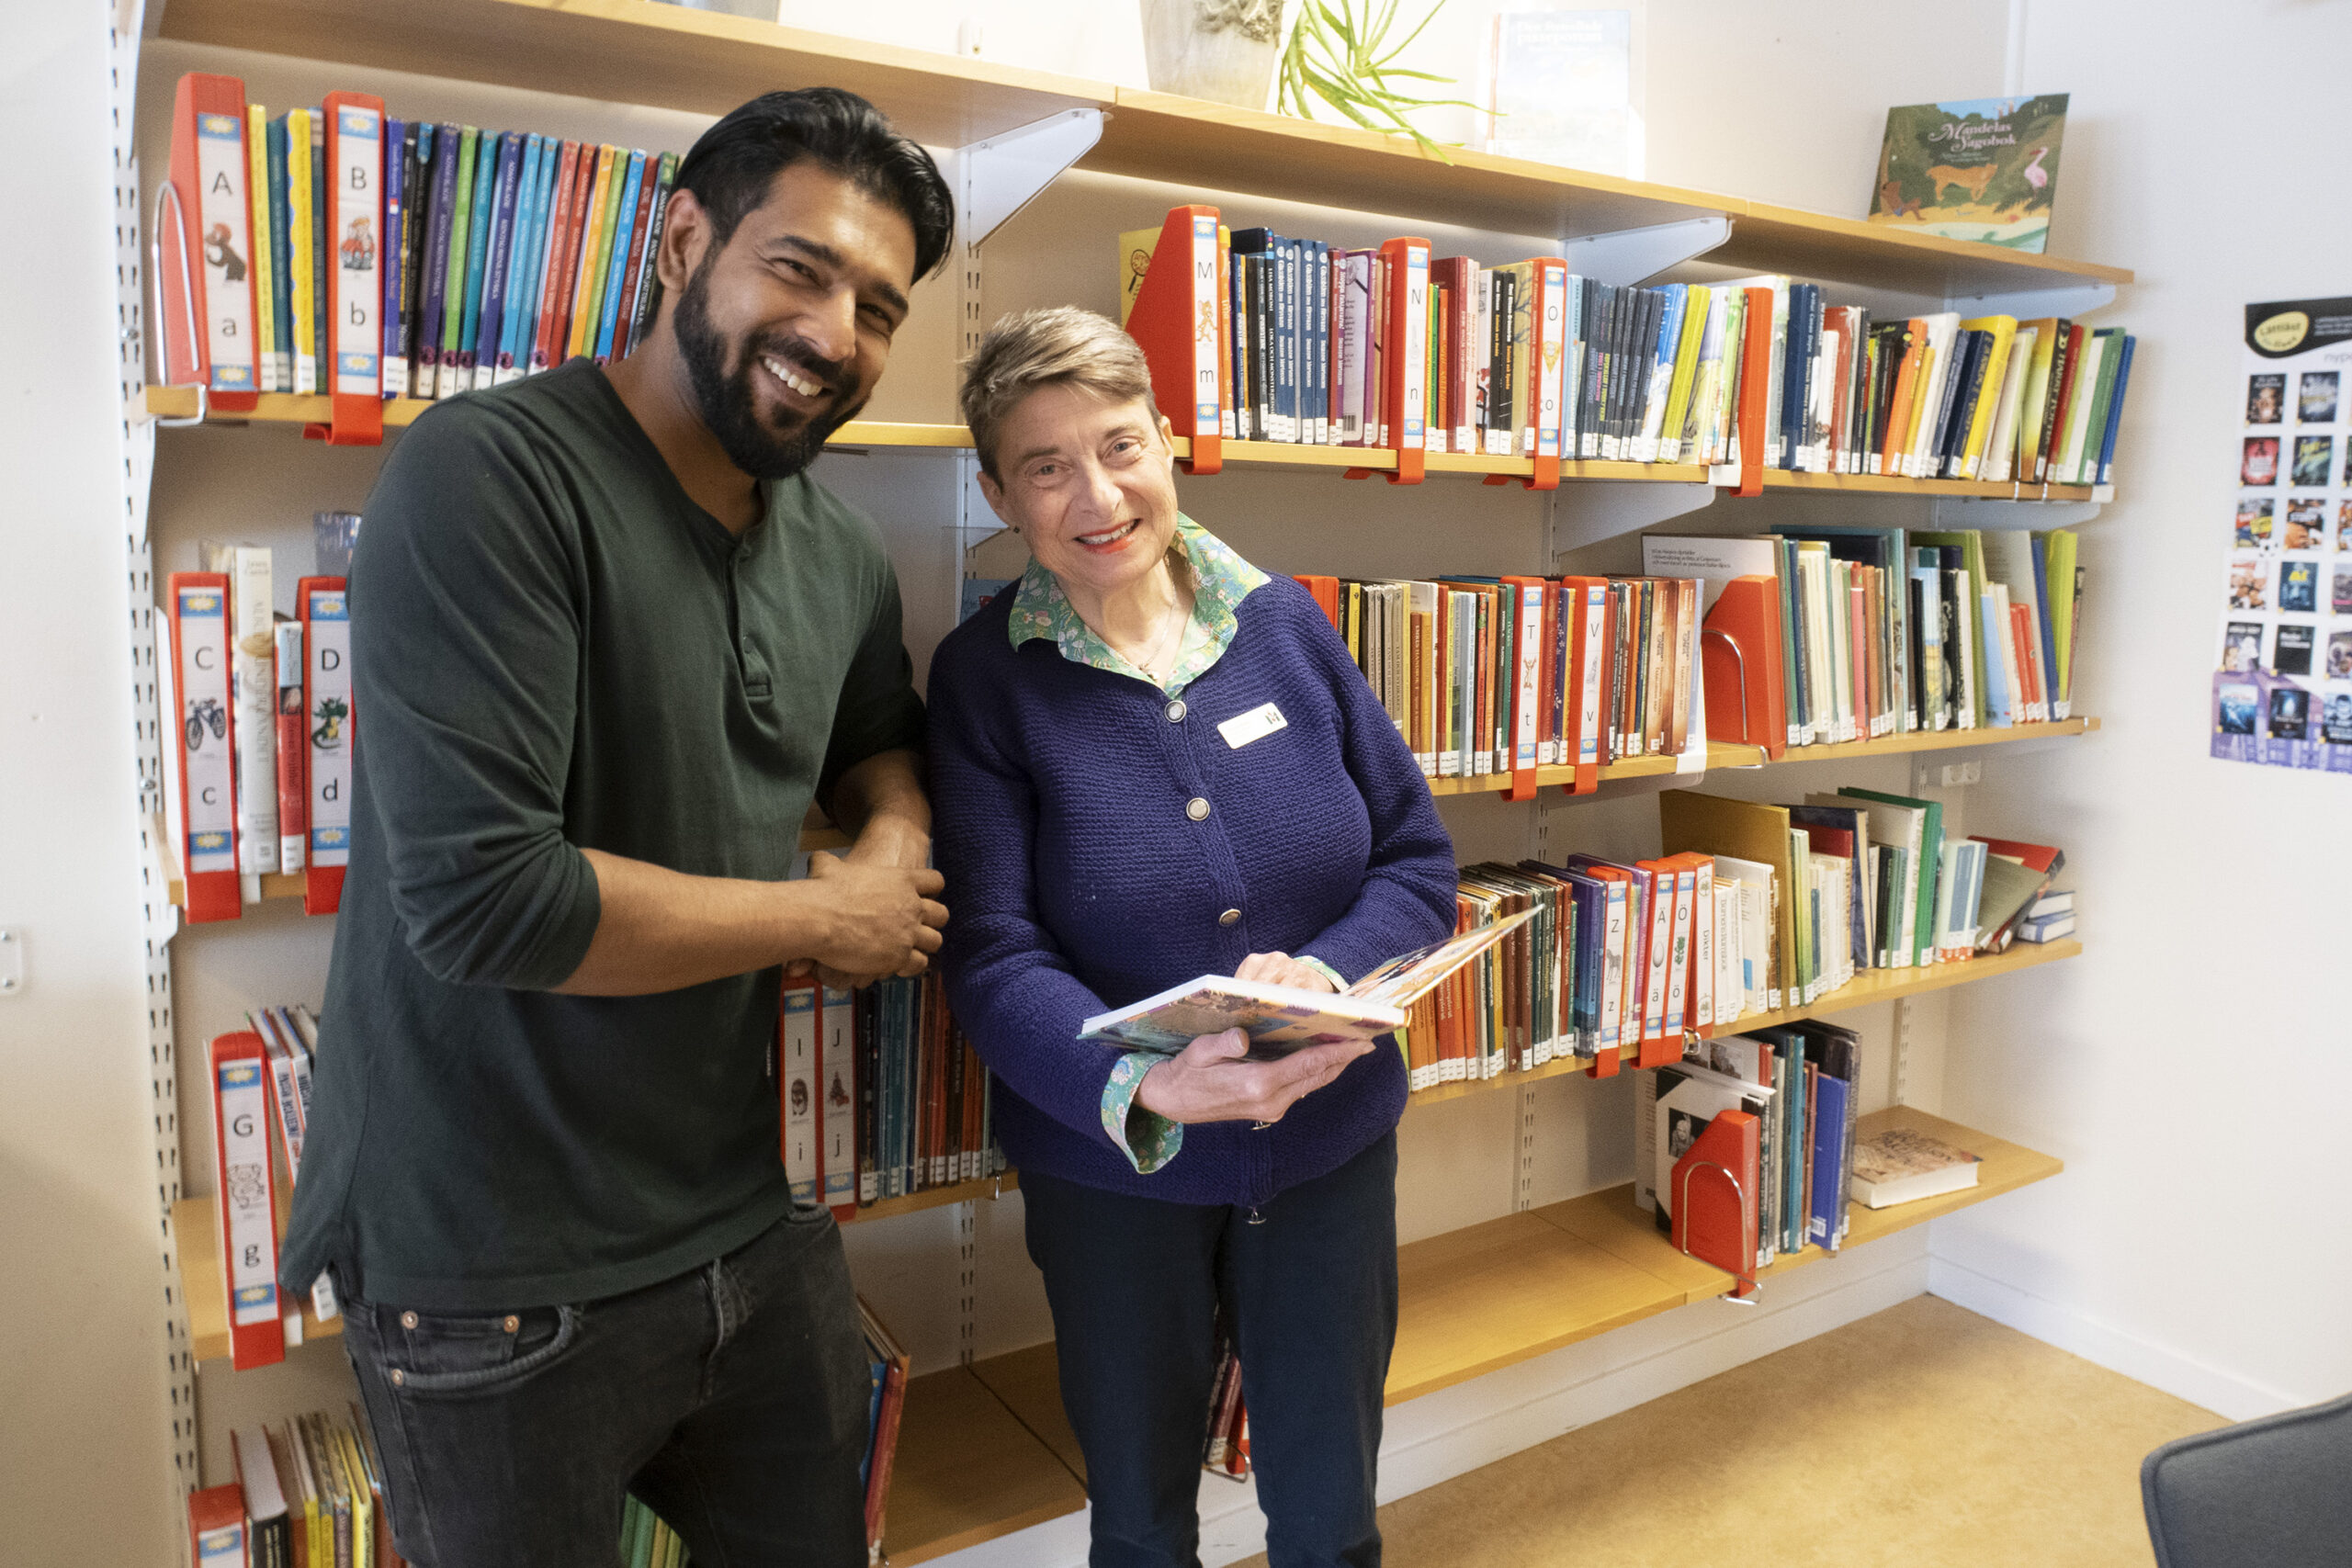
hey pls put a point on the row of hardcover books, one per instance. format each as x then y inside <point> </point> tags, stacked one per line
<point>337,249</point>
<point>1821,635</point>
<point>882,1094</point>
<point>259,732</point>
<point>1318,345</point>
<point>1751,908</point>
<point>647,1540</point>
<point>308,1494</point>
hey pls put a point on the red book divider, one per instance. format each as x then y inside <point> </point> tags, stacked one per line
<point>1583,718</point>
<point>1179,320</point>
<point>245,1199</point>
<point>197,607</point>
<point>328,708</point>
<point>1714,1198</point>
<point>354,224</point>
<point>208,109</point>
<point>1755,369</point>
<point>1527,703</point>
<point>1740,660</point>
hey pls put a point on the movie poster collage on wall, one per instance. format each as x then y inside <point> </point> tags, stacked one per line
<point>2283,693</point>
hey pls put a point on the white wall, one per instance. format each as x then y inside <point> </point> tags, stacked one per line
<point>84,1450</point>
<point>2191,1066</point>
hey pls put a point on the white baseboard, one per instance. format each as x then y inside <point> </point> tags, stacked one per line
<point>2224,1393</point>
<point>1443,1435</point>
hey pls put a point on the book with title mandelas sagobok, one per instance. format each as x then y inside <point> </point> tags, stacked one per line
<point>1982,169</point>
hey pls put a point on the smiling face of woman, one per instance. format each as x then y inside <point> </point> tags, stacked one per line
<point>1091,484</point>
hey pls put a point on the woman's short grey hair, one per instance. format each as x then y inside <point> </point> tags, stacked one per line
<point>1061,346</point>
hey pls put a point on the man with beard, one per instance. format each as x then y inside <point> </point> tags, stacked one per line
<point>609,642</point>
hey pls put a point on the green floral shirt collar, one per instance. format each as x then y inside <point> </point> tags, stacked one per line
<point>1222,580</point>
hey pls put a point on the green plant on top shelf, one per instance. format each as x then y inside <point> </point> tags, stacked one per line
<point>1340,55</point>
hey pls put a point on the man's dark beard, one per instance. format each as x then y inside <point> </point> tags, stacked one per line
<point>728,402</point>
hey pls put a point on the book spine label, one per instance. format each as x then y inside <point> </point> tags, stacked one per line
<point>1208,396</point>
<point>225,212</point>
<point>391,311</point>
<point>330,718</point>
<point>358,218</point>
<point>242,1105</point>
<point>797,1077</point>
<point>209,841</point>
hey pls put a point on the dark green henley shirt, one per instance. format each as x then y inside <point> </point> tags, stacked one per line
<point>555,649</point>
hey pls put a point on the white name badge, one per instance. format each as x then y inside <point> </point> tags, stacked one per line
<point>1255,725</point>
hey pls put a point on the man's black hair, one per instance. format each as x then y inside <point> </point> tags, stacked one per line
<point>733,163</point>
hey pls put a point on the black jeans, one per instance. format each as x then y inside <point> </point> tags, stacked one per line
<point>1309,1284</point>
<point>732,1400</point>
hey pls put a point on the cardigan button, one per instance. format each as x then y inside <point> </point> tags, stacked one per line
<point>1176,711</point>
<point>1231,917</point>
<point>1196,808</point>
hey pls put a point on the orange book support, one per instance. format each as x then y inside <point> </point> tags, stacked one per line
<point>1755,372</point>
<point>1582,722</point>
<point>1179,320</point>
<point>208,298</point>
<point>1715,1199</point>
<point>355,302</point>
<point>1740,655</point>
<point>1532,683</point>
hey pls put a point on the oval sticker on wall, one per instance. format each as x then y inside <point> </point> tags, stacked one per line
<point>2283,332</point>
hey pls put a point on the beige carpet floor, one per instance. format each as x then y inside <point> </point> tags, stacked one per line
<point>1924,1437</point>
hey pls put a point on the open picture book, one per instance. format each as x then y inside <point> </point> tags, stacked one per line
<point>1282,1018</point>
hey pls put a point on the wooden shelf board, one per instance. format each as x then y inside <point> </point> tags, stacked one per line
<point>672,57</point>
<point>1030,1383</point>
<point>1491,1295</point>
<point>196,1236</point>
<point>288,408</point>
<point>987,1189</point>
<point>195,1229</point>
<point>1892,484</point>
<point>1725,754</point>
<point>1874,985</point>
<point>967,1470</point>
<point>816,834</point>
<point>1478,1298</point>
<point>632,52</point>
<point>1608,1220</point>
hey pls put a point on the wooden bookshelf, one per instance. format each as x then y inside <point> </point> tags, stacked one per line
<point>1490,1296</point>
<point>815,834</point>
<point>1725,754</point>
<point>968,1470</point>
<point>671,57</point>
<point>195,1232</point>
<point>1871,986</point>
<point>292,409</point>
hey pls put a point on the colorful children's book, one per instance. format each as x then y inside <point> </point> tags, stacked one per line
<point>1284,1018</point>
<point>1982,169</point>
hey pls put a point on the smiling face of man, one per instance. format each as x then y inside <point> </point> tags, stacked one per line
<point>785,328</point>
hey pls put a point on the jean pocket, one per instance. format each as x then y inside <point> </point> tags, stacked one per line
<point>444,1352</point>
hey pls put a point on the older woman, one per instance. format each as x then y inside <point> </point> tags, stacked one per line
<point>1153,762</point>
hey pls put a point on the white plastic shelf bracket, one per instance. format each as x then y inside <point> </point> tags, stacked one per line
<point>2069,300</point>
<point>1630,255</point>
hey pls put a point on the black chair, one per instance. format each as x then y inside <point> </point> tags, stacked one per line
<point>2275,1493</point>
